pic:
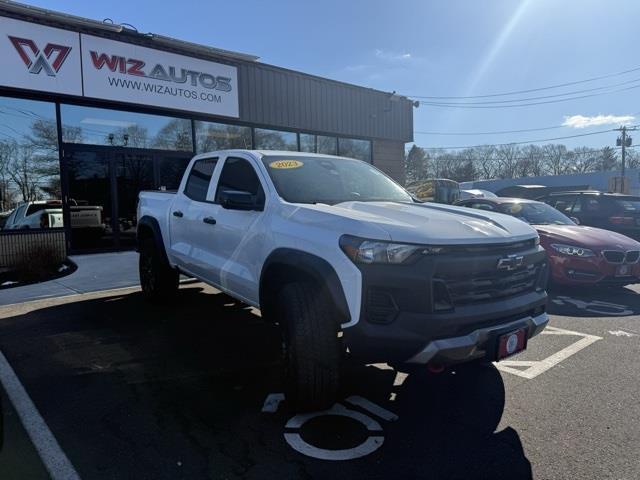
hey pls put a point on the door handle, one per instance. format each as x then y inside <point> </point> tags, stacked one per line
<point>209,220</point>
<point>178,214</point>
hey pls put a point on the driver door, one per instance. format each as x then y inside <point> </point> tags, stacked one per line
<point>239,235</point>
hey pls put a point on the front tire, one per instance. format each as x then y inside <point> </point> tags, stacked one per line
<point>311,346</point>
<point>158,280</point>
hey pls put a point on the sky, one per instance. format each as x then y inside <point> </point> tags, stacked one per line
<point>433,48</point>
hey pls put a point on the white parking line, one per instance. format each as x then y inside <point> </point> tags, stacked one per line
<point>371,407</point>
<point>541,366</point>
<point>52,456</point>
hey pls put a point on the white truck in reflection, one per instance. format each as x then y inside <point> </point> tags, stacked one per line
<point>48,214</point>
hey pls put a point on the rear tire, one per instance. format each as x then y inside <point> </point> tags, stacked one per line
<point>311,346</point>
<point>158,280</point>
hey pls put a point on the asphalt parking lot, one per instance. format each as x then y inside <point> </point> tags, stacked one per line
<point>189,390</point>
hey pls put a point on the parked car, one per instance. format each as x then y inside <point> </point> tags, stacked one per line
<point>438,190</point>
<point>327,245</point>
<point>611,211</point>
<point>533,192</point>
<point>578,255</point>
<point>85,219</point>
<point>476,193</point>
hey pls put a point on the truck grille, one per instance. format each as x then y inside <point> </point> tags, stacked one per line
<point>491,286</point>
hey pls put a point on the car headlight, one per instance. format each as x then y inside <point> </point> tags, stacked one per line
<point>361,250</point>
<point>572,250</point>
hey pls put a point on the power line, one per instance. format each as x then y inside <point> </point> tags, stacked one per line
<point>604,87</point>
<point>559,100</point>
<point>523,142</point>
<point>543,97</point>
<point>550,87</point>
<point>491,133</point>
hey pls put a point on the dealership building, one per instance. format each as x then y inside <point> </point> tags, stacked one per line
<point>93,112</point>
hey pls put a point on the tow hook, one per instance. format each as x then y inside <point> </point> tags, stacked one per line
<point>435,368</point>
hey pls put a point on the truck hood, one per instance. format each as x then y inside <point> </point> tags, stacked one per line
<point>583,236</point>
<point>428,223</point>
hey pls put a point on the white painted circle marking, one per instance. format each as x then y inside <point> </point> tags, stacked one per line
<point>370,445</point>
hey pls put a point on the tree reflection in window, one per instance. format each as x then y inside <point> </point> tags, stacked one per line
<point>29,163</point>
<point>101,126</point>
<point>219,136</point>
<point>275,140</point>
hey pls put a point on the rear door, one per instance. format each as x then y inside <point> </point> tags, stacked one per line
<point>592,210</point>
<point>188,232</point>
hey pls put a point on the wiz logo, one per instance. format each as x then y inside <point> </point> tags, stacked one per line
<point>50,59</point>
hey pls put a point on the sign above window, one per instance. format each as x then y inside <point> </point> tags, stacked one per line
<point>129,73</point>
<point>59,61</point>
<point>40,58</point>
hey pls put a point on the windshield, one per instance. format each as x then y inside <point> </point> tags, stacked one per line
<point>331,180</point>
<point>535,213</point>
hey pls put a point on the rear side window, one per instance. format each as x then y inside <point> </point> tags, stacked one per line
<point>36,207</point>
<point>199,179</point>
<point>628,205</point>
<point>591,204</point>
<point>481,206</point>
<point>563,203</point>
<point>238,175</point>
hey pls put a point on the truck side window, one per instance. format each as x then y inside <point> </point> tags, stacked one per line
<point>238,175</point>
<point>482,206</point>
<point>199,179</point>
<point>565,203</point>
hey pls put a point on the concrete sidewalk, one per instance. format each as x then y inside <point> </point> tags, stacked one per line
<point>98,271</point>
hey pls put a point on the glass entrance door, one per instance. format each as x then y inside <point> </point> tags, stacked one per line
<point>88,201</point>
<point>101,187</point>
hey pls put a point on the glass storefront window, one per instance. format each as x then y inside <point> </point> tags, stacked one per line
<point>219,136</point>
<point>327,145</point>
<point>307,143</point>
<point>275,140</point>
<point>29,164</point>
<point>99,126</point>
<point>353,148</point>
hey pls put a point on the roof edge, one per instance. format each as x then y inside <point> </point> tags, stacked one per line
<point>68,19</point>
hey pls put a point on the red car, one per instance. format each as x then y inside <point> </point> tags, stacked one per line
<point>578,255</point>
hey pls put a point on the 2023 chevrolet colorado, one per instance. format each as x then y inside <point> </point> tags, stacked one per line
<point>340,256</point>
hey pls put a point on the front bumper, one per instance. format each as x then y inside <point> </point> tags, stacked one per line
<point>479,344</point>
<point>445,298</point>
<point>590,271</point>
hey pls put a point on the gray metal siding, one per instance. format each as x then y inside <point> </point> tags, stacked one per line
<point>281,98</point>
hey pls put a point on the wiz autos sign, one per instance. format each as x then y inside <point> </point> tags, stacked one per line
<point>130,73</point>
<point>41,58</point>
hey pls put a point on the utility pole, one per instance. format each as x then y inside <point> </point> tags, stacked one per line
<point>624,141</point>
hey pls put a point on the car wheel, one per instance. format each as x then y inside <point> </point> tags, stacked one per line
<point>312,350</point>
<point>158,280</point>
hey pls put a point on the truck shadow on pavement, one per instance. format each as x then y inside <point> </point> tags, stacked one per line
<point>593,301</point>
<point>143,391</point>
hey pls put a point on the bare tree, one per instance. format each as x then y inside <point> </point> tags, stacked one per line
<point>507,160</point>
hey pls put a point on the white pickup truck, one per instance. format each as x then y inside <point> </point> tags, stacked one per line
<point>341,257</point>
<point>48,214</point>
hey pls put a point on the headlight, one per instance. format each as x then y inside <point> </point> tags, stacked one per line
<point>361,250</point>
<point>572,250</point>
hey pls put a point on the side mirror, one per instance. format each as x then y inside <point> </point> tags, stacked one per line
<point>575,220</point>
<point>238,200</point>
